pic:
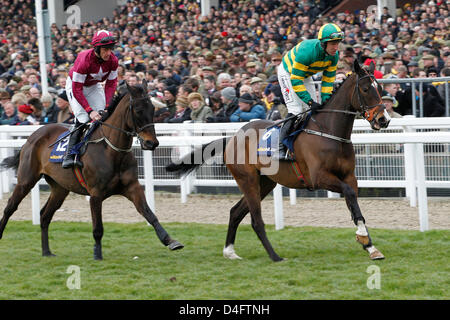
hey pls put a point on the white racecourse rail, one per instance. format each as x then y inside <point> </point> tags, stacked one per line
<point>413,153</point>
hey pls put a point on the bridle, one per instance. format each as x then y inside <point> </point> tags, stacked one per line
<point>136,130</point>
<point>369,113</point>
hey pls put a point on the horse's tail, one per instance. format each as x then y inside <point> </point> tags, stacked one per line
<point>198,157</point>
<point>11,162</point>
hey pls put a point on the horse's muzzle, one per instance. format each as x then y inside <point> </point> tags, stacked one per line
<point>383,122</point>
<point>150,144</point>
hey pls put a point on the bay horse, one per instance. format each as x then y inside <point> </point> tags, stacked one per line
<point>110,167</point>
<point>324,158</point>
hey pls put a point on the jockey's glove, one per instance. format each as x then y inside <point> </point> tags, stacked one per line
<point>314,106</point>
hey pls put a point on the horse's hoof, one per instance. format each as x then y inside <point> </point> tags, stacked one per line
<point>96,257</point>
<point>376,255</point>
<point>175,245</point>
<point>49,254</point>
<point>228,252</point>
<point>364,240</point>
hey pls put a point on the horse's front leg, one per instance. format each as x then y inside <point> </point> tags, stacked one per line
<point>97,225</point>
<point>349,188</point>
<point>350,192</point>
<point>135,194</point>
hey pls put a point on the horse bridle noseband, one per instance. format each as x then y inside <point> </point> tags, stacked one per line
<point>134,133</point>
<point>367,111</point>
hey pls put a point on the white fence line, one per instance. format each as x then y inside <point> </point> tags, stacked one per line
<point>187,135</point>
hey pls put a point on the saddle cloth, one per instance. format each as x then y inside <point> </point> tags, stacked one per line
<point>60,149</point>
<point>268,143</point>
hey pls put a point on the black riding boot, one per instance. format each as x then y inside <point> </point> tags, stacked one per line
<point>282,153</point>
<point>71,160</point>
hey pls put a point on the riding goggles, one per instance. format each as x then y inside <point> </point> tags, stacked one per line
<point>335,36</point>
<point>107,40</point>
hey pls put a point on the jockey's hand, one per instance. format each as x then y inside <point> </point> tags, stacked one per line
<point>95,116</point>
<point>103,114</point>
<point>314,106</point>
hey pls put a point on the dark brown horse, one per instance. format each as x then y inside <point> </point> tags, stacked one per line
<point>109,167</point>
<point>324,155</point>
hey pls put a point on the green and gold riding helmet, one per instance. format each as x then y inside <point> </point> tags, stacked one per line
<point>330,32</point>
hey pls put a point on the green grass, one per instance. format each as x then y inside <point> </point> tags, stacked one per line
<point>322,263</point>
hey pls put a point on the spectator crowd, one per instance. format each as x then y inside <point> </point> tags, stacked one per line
<point>221,67</point>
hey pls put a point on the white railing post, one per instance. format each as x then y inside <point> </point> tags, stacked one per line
<point>421,187</point>
<point>36,205</point>
<point>5,153</point>
<point>148,176</point>
<point>278,207</point>
<point>410,165</point>
<point>293,196</point>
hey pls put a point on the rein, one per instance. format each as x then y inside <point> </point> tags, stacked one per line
<point>134,133</point>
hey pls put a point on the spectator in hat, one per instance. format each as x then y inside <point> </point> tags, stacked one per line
<point>170,94</point>
<point>183,112</point>
<point>50,110</point>
<point>250,68</point>
<point>388,101</point>
<point>428,62</point>
<point>257,85</point>
<point>37,107</point>
<point>200,111</point>
<point>9,115</point>
<point>230,105</point>
<point>161,111</point>
<point>248,110</point>
<point>25,117</point>
<point>216,105</point>
<point>65,114</point>
<point>275,60</point>
<point>413,65</point>
<point>276,108</point>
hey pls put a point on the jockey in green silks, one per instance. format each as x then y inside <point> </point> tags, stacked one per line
<point>295,76</point>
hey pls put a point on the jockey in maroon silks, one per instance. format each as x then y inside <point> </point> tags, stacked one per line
<point>84,89</point>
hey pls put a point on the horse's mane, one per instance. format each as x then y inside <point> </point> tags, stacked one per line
<point>337,87</point>
<point>115,101</point>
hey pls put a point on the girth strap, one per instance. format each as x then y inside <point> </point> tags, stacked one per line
<point>326,135</point>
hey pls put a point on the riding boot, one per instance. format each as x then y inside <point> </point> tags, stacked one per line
<point>70,159</point>
<point>282,152</point>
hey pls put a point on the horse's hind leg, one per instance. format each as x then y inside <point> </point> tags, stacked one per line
<point>54,202</point>
<point>248,180</point>
<point>238,212</point>
<point>24,185</point>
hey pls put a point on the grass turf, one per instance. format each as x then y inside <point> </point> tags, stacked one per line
<point>322,263</point>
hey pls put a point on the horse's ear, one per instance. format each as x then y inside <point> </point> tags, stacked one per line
<point>356,66</point>
<point>130,89</point>
<point>128,86</point>
<point>371,67</point>
<point>144,85</point>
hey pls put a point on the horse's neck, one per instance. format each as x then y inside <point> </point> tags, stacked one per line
<point>339,124</point>
<point>117,122</point>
